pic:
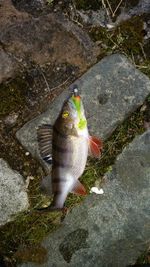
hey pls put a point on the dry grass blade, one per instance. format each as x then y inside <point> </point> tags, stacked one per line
<point>116,8</point>
<point>45,80</point>
<point>104,5</point>
<point>143,52</point>
<point>110,8</point>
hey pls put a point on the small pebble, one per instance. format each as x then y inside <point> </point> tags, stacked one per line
<point>11,119</point>
<point>97,191</point>
<point>27,153</point>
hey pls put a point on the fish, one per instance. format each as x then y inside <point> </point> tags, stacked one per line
<point>66,146</point>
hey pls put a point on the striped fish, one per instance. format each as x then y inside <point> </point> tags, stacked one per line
<point>66,145</point>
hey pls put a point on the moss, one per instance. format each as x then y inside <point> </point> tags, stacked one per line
<point>126,38</point>
<point>88,4</point>
<point>129,35</point>
<point>36,253</point>
<point>27,230</point>
<point>145,67</point>
<point>97,4</point>
<point>144,258</point>
<point>12,96</point>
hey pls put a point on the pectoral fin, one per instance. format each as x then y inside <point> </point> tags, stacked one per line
<point>95,146</point>
<point>78,189</point>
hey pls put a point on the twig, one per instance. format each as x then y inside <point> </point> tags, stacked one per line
<point>113,14</point>
<point>104,5</point>
<point>51,89</point>
<point>144,55</point>
<point>110,8</point>
<point>110,146</point>
<point>59,84</point>
<point>45,80</point>
<point>133,59</point>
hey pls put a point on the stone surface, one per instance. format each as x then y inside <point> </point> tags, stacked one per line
<point>109,230</point>
<point>13,198</point>
<point>111,90</point>
<point>7,65</point>
<point>50,38</point>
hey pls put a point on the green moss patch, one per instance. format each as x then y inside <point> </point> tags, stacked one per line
<point>126,38</point>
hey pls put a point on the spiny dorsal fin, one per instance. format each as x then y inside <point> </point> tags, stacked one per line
<point>44,134</point>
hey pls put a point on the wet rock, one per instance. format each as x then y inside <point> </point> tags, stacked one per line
<point>115,225</point>
<point>13,198</point>
<point>46,39</point>
<point>111,90</point>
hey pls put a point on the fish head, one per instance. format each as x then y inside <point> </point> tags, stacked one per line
<point>73,114</point>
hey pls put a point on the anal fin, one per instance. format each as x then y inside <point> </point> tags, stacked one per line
<point>79,189</point>
<point>95,146</point>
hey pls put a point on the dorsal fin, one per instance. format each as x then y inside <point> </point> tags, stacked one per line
<point>44,134</point>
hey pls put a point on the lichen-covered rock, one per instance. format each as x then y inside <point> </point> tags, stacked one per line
<point>110,229</point>
<point>111,90</point>
<point>13,197</point>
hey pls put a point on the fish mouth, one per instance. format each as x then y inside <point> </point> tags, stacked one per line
<point>75,91</point>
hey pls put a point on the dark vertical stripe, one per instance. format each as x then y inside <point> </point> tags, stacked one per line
<point>56,180</point>
<point>61,150</point>
<point>60,164</point>
<point>59,133</point>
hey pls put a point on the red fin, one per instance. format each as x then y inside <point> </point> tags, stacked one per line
<point>95,146</point>
<point>79,189</point>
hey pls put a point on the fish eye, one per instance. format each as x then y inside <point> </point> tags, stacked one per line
<point>65,114</point>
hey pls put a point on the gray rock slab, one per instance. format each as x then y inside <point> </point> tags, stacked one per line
<point>13,198</point>
<point>109,230</point>
<point>111,90</point>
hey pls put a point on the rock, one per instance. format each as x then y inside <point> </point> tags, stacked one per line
<point>45,39</point>
<point>34,7</point>
<point>7,66</point>
<point>111,90</point>
<point>110,229</point>
<point>11,119</point>
<point>13,198</point>
<point>97,18</point>
<point>143,7</point>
